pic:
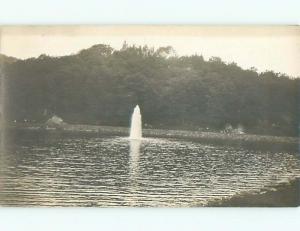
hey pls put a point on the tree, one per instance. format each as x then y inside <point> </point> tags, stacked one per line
<point>101,85</point>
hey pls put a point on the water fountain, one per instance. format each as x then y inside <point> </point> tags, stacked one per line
<point>136,124</point>
<point>134,151</point>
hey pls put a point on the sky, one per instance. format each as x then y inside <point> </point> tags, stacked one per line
<point>274,48</point>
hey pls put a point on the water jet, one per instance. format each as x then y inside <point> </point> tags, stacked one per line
<point>136,124</point>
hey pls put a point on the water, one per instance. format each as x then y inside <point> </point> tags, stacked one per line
<point>53,170</point>
<point>136,124</point>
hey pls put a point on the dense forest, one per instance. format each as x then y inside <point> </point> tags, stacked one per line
<point>101,85</point>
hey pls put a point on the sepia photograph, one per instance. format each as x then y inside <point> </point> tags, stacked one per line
<point>149,116</point>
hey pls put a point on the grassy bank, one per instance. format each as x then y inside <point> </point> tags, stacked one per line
<point>283,195</point>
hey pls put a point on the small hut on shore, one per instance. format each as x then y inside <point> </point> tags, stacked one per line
<point>55,122</point>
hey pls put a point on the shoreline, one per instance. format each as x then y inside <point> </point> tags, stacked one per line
<point>282,195</point>
<point>249,141</point>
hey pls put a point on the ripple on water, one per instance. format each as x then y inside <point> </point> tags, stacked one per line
<point>114,171</point>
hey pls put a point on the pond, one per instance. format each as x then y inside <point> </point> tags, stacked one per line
<point>112,171</point>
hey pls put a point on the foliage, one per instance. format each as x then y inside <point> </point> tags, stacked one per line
<point>101,85</point>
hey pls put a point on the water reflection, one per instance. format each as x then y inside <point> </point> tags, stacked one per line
<point>114,171</point>
<point>134,155</point>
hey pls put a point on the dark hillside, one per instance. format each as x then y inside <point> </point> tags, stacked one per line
<point>101,86</point>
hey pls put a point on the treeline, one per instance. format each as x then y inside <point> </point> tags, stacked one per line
<point>101,85</point>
